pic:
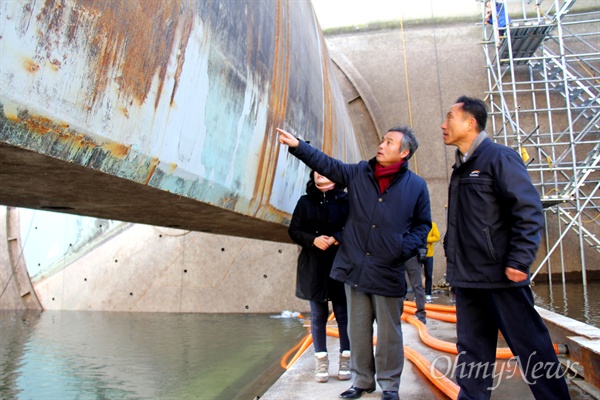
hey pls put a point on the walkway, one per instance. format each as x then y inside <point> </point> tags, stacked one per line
<point>298,383</point>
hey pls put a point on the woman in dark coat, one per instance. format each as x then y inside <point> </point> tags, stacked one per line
<point>317,226</point>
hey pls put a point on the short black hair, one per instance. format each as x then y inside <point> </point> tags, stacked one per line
<point>476,108</point>
<point>409,140</point>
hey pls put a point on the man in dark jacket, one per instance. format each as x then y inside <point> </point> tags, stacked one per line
<point>389,221</point>
<point>494,231</point>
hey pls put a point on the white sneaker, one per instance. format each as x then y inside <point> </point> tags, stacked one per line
<point>321,367</point>
<point>344,373</point>
<point>428,299</point>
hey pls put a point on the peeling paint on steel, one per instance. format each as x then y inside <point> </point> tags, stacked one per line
<point>136,47</point>
<point>180,95</point>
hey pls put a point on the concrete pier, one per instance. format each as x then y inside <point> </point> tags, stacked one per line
<point>298,381</point>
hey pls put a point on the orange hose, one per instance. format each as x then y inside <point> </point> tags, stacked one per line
<point>448,347</point>
<point>304,345</point>
<point>440,316</point>
<point>433,307</point>
<point>443,345</point>
<point>334,332</point>
<point>429,340</point>
<point>301,346</point>
<point>440,381</point>
<point>283,363</point>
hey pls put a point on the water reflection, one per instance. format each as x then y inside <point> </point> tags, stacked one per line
<point>99,355</point>
<point>571,299</point>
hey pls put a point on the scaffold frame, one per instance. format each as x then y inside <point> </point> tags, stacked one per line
<point>543,70</point>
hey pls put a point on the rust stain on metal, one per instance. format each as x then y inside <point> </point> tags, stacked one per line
<point>117,149</point>
<point>153,164</point>
<point>40,125</point>
<point>31,66</point>
<point>71,139</point>
<point>78,141</point>
<point>188,25</point>
<point>125,111</point>
<point>277,106</point>
<point>135,38</point>
<point>55,64</point>
<point>172,168</point>
<point>328,113</point>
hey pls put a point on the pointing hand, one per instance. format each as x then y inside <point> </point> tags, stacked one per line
<point>287,138</point>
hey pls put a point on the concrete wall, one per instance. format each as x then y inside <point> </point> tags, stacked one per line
<point>16,290</point>
<point>412,76</point>
<point>155,269</point>
<point>136,267</point>
<point>409,76</point>
<point>141,271</point>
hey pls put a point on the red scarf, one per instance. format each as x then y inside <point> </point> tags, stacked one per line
<point>384,175</point>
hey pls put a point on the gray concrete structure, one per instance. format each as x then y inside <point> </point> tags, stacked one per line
<point>407,73</point>
<point>581,367</point>
<point>401,73</point>
<point>388,76</point>
<point>412,72</point>
<point>141,268</point>
<point>413,75</point>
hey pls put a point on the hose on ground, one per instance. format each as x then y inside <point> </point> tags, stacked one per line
<point>440,316</point>
<point>438,379</point>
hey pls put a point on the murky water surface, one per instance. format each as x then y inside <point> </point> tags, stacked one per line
<point>99,355</point>
<point>573,300</point>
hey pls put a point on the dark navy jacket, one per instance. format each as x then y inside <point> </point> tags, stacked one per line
<point>494,219</point>
<point>383,229</point>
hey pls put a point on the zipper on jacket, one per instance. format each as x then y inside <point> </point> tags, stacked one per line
<point>490,245</point>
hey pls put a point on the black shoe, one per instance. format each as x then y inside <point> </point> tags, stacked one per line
<point>389,395</point>
<point>355,393</point>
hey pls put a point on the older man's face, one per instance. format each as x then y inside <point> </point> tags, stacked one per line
<point>388,152</point>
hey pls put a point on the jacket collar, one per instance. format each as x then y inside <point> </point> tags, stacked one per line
<point>334,193</point>
<point>460,159</point>
<point>373,161</point>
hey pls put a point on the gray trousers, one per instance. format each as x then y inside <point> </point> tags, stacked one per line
<point>388,360</point>
<point>413,271</point>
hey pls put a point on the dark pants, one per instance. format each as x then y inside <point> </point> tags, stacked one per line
<point>319,312</point>
<point>428,269</point>
<point>480,314</point>
<point>413,272</point>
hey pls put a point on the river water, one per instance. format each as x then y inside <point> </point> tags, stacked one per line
<point>572,299</point>
<point>83,355</point>
<point>100,355</point>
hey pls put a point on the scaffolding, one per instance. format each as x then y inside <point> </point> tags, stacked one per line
<point>543,69</point>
